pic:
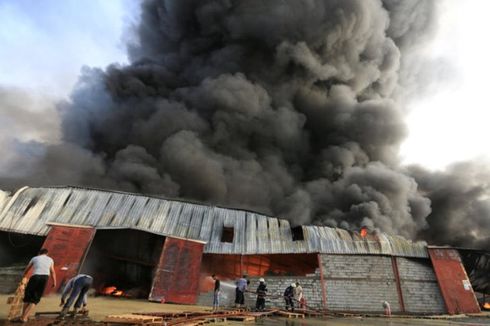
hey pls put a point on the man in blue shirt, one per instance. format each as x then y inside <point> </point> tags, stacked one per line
<point>77,287</point>
<point>241,287</point>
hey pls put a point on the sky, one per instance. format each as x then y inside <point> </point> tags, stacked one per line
<point>44,44</point>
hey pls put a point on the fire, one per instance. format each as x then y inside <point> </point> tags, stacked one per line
<point>112,290</point>
<point>486,306</point>
<point>363,232</point>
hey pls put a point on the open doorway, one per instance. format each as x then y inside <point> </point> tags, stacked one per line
<point>16,250</point>
<point>123,261</point>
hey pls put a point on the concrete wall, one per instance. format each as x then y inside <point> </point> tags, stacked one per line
<point>355,283</point>
<point>359,283</point>
<point>275,286</point>
<point>10,278</point>
<point>421,293</point>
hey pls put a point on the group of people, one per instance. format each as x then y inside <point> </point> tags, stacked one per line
<point>42,266</point>
<point>293,294</point>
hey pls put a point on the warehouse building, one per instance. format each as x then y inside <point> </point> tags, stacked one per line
<point>165,250</point>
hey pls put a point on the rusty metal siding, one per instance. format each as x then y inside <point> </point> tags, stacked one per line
<point>179,257</point>
<point>67,246</point>
<point>29,209</point>
<point>455,286</point>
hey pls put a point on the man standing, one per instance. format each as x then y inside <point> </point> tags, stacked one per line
<point>241,287</point>
<point>43,267</point>
<point>217,288</point>
<point>289,295</point>
<point>77,287</point>
<point>299,296</point>
<point>261,293</point>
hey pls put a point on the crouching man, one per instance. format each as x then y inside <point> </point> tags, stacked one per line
<point>77,288</point>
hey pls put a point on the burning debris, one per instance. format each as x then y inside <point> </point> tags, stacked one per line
<point>112,291</point>
<point>284,107</point>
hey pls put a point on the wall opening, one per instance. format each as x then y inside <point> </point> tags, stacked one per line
<point>297,233</point>
<point>123,262</point>
<point>16,250</point>
<point>227,234</point>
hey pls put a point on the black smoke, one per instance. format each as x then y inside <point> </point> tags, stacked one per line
<point>291,108</point>
<point>460,199</point>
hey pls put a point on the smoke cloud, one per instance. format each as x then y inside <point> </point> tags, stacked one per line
<point>291,108</point>
<point>460,199</point>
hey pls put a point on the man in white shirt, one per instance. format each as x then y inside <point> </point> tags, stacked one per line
<point>299,296</point>
<point>77,287</point>
<point>42,266</point>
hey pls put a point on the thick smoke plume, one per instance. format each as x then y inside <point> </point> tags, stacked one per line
<point>290,108</point>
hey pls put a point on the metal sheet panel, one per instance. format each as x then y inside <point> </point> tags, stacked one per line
<point>263,241</point>
<point>179,257</point>
<point>67,246</point>
<point>240,229</point>
<point>29,209</point>
<point>197,218</point>
<point>4,199</point>
<point>454,283</point>
<point>274,235</point>
<point>251,234</point>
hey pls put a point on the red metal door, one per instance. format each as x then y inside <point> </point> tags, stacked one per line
<point>453,281</point>
<point>67,246</point>
<point>177,275</point>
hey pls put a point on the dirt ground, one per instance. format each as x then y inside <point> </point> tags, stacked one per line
<point>102,306</point>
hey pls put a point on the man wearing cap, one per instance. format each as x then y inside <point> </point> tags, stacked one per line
<point>261,293</point>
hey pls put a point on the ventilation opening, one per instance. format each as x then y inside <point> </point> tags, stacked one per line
<point>227,235</point>
<point>297,233</point>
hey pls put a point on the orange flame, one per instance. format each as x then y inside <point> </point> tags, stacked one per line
<point>486,306</point>
<point>108,290</point>
<point>112,290</point>
<point>363,232</point>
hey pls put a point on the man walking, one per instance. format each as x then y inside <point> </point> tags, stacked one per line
<point>217,288</point>
<point>42,266</point>
<point>77,287</point>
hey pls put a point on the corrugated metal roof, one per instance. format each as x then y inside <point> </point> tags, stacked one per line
<point>4,197</point>
<point>30,210</point>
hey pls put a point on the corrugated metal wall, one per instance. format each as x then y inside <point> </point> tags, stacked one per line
<point>454,283</point>
<point>29,209</point>
<point>177,275</point>
<point>67,246</point>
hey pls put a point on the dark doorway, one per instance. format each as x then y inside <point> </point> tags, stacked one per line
<point>18,248</point>
<point>122,262</point>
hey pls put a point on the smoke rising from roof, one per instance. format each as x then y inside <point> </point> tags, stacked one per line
<point>291,108</point>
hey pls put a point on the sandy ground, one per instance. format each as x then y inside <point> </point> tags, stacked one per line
<point>102,306</point>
